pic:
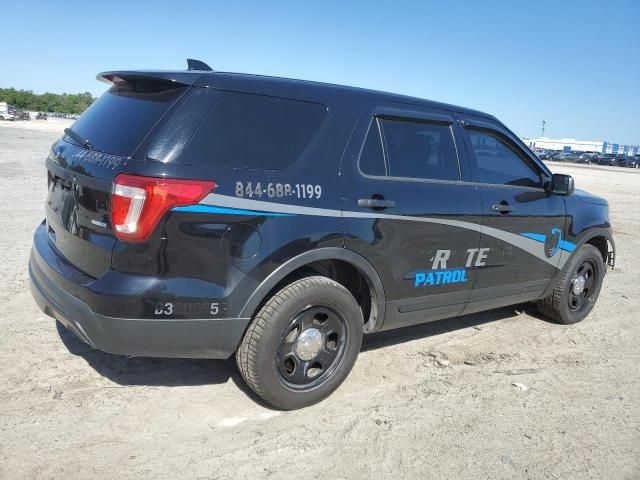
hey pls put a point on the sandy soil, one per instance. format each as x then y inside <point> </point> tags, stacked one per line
<point>51,125</point>
<point>434,401</point>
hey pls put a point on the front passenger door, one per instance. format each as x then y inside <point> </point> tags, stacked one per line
<point>408,212</point>
<point>523,225</point>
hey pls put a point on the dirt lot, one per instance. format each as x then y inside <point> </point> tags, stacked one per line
<point>434,401</point>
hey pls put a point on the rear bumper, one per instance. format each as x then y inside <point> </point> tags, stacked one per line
<point>182,338</point>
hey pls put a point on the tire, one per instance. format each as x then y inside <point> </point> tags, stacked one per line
<point>565,305</point>
<point>273,357</point>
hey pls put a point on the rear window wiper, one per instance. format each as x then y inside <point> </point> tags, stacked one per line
<point>78,138</point>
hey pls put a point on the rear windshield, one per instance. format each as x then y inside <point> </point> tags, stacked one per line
<point>121,118</point>
<point>254,131</point>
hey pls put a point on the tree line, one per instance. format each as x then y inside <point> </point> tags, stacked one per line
<point>46,102</point>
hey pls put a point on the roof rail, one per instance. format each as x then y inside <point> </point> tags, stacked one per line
<point>198,65</point>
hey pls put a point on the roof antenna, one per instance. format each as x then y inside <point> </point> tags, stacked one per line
<point>198,65</point>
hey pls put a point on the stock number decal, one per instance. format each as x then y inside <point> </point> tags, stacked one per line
<point>188,308</point>
<point>278,190</point>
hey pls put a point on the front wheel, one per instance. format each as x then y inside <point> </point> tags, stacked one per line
<point>577,289</point>
<point>302,343</point>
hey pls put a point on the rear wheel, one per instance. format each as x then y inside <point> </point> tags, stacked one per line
<point>302,343</point>
<point>577,289</point>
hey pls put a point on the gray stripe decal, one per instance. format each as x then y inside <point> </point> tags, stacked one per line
<point>533,247</point>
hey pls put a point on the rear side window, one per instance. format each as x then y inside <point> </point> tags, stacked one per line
<point>415,149</point>
<point>420,150</point>
<point>498,163</point>
<point>254,131</point>
<point>121,118</point>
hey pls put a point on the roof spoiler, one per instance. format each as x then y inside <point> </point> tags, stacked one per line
<point>181,77</point>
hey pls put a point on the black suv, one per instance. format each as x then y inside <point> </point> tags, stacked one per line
<point>204,214</point>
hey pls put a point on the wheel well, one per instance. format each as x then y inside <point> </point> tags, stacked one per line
<point>345,274</point>
<point>601,244</point>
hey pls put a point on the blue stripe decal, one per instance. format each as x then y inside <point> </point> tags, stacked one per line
<point>228,211</point>
<point>567,246</point>
<point>538,237</point>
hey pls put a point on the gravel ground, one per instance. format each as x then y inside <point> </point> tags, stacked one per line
<point>433,401</point>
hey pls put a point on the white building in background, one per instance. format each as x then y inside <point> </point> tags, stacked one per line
<point>571,144</point>
<point>567,144</point>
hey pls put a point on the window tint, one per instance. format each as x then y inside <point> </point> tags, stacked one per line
<point>254,131</point>
<point>420,150</point>
<point>372,156</point>
<point>121,118</point>
<point>498,163</point>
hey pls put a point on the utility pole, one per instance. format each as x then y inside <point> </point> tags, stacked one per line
<point>544,122</point>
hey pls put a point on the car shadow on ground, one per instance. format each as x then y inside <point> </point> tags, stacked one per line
<point>393,337</point>
<point>171,372</point>
<point>177,372</point>
<point>165,372</point>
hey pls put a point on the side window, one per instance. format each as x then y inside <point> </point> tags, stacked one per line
<point>418,149</point>
<point>372,155</point>
<point>254,131</point>
<point>497,163</point>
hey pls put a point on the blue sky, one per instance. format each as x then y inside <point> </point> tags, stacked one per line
<point>575,64</point>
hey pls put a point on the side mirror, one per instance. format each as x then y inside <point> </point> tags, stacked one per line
<point>561,184</point>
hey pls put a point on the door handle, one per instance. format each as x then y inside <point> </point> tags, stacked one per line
<point>502,207</point>
<point>375,203</point>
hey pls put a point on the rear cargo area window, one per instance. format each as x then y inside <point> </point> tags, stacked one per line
<point>254,131</point>
<point>121,118</point>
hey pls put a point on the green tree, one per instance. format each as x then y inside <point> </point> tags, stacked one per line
<point>47,102</point>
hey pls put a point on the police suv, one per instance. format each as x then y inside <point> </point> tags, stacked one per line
<point>204,214</point>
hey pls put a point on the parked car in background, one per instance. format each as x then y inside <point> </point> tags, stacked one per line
<point>556,156</point>
<point>544,154</point>
<point>563,157</point>
<point>7,112</point>
<point>572,156</point>
<point>608,159</point>
<point>627,161</point>
<point>587,158</point>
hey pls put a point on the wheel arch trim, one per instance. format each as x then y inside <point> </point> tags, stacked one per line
<point>587,235</point>
<point>596,233</point>
<point>327,253</point>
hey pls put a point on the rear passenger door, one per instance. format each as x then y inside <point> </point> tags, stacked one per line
<point>523,224</point>
<point>408,212</point>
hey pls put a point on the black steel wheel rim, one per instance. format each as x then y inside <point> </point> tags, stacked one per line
<point>296,370</point>
<point>579,300</point>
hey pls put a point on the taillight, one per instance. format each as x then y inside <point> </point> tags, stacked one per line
<point>138,203</point>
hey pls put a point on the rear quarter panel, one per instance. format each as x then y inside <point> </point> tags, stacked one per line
<point>233,247</point>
